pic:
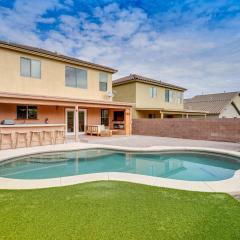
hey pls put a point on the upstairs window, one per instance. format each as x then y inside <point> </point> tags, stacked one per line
<point>75,77</point>
<point>105,117</point>
<point>180,98</point>
<point>103,82</point>
<point>168,95</point>
<point>30,67</point>
<point>26,112</point>
<point>153,92</point>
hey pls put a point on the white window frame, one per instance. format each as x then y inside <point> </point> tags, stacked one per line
<point>75,77</point>
<point>170,96</point>
<point>153,92</point>
<point>74,123</point>
<point>31,66</point>
<point>180,98</point>
<point>103,81</point>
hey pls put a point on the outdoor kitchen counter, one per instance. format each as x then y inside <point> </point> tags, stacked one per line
<point>34,125</point>
<point>28,128</point>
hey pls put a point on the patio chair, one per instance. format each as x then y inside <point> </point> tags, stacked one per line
<point>94,129</point>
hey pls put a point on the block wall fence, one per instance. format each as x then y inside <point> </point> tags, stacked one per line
<point>227,130</point>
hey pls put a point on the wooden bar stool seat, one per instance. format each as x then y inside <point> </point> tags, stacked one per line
<point>48,135</point>
<point>59,135</point>
<point>37,136</point>
<point>4,136</point>
<point>21,137</point>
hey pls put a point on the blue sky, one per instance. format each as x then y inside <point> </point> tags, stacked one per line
<point>191,43</point>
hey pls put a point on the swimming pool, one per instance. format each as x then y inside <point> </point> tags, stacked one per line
<point>181,165</point>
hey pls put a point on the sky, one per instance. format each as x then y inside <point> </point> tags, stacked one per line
<point>191,43</point>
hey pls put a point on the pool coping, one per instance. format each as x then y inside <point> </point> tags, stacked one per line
<point>230,185</point>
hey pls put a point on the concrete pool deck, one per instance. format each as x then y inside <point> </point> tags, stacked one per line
<point>231,185</point>
<point>149,141</point>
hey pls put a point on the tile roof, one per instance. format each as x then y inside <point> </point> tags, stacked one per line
<point>138,78</point>
<point>212,103</point>
<point>56,55</point>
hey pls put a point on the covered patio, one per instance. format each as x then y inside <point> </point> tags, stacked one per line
<point>48,116</point>
<point>168,113</point>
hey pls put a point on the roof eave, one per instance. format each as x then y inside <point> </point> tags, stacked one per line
<point>59,57</point>
<point>150,83</point>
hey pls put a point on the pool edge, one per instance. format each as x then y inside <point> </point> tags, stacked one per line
<point>230,185</point>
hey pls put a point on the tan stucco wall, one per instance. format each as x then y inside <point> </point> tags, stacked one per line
<point>94,116</point>
<point>139,93</point>
<point>125,93</point>
<point>143,99</point>
<point>53,113</point>
<point>52,82</point>
<point>56,114</point>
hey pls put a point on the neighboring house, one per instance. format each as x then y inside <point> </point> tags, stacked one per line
<point>219,105</point>
<point>152,98</point>
<point>38,86</point>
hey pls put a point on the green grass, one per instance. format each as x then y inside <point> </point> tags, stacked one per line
<point>117,210</point>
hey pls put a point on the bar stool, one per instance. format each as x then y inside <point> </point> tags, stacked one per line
<point>20,135</point>
<point>48,135</point>
<point>37,134</point>
<point>6,135</point>
<point>59,134</point>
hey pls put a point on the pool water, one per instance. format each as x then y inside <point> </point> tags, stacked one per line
<point>192,166</point>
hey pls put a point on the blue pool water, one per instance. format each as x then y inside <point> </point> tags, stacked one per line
<point>192,166</point>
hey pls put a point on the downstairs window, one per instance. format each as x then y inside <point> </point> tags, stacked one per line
<point>26,112</point>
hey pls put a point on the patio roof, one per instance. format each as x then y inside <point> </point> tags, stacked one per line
<point>179,111</point>
<point>60,101</point>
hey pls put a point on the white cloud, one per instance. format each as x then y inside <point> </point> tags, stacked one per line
<point>20,23</point>
<point>199,59</point>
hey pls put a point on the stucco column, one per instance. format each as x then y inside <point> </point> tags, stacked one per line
<point>128,124</point>
<point>162,116</point>
<point>76,118</point>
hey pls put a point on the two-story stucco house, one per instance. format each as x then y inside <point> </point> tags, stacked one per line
<point>42,87</point>
<point>152,98</point>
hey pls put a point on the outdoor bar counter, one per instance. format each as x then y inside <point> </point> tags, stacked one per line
<point>13,135</point>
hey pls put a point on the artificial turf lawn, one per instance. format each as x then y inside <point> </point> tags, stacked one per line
<point>117,210</point>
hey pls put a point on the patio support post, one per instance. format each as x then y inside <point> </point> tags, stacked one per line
<point>162,115</point>
<point>128,122</point>
<point>76,123</point>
